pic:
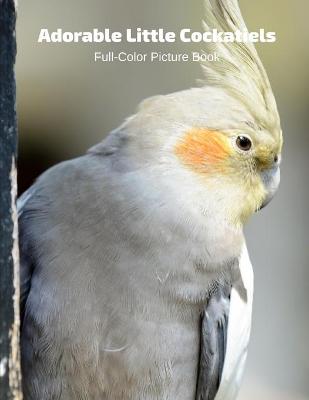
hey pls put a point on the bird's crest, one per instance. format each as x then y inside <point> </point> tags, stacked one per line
<point>239,69</point>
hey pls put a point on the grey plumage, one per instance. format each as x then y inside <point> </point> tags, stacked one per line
<point>98,321</point>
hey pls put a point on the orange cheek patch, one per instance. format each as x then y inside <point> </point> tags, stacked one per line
<point>202,149</point>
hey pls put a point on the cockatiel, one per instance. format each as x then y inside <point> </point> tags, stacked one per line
<point>135,279</point>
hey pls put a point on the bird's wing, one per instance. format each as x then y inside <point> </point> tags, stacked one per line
<point>214,324</point>
<point>225,331</point>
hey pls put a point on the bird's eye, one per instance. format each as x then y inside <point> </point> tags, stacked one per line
<point>243,143</point>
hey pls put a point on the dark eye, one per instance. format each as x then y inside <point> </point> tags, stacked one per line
<point>243,143</point>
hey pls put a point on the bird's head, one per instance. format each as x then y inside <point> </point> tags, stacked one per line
<point>222,150</point>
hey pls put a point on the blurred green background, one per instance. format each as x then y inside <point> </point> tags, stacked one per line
<point>67,103</point>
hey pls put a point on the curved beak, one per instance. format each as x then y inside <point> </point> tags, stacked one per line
<point>271,180</point>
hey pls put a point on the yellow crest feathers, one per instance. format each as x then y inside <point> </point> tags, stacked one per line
<point>239,69</point>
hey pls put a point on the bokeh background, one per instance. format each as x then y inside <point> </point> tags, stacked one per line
<point>67,103</point>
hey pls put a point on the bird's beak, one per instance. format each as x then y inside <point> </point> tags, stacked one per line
<point>271,180</point>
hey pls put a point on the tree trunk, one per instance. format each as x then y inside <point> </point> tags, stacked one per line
<point>10,377</point>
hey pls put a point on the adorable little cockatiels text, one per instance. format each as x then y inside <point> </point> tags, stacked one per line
<point>160,35</point>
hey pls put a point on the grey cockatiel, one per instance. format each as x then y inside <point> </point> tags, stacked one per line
<point>136,282</point>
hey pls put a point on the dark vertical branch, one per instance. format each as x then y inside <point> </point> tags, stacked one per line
<point>9,266</point>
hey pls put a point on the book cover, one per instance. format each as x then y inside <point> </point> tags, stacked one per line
<point>83,68</point>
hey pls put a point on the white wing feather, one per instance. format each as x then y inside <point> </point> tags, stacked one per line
<point>238,333</point>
